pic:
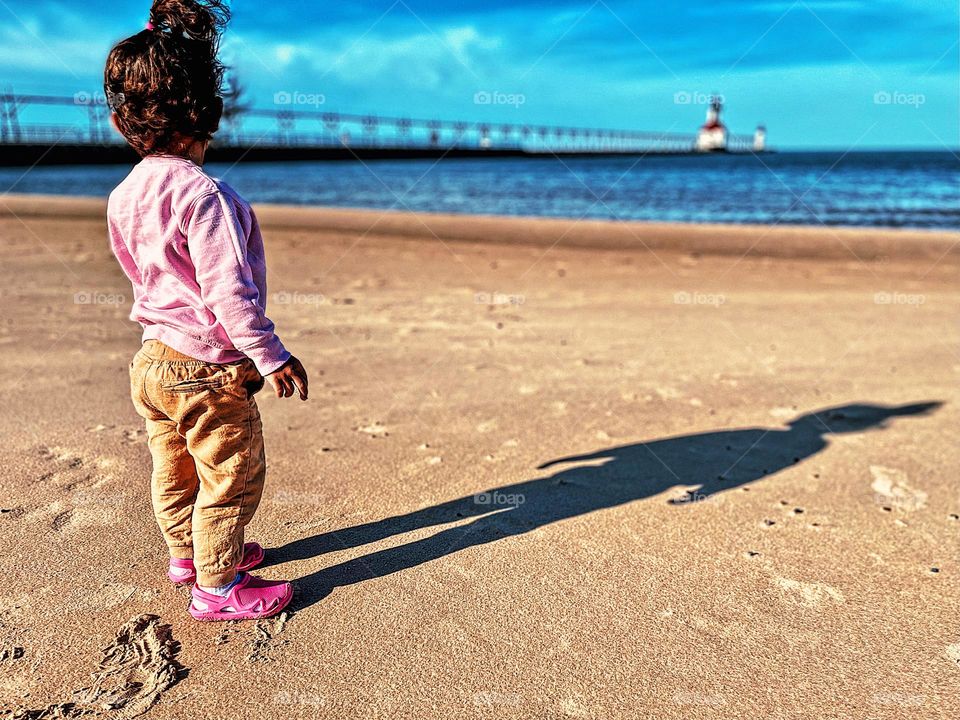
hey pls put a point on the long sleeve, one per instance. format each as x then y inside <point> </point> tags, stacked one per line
<point>217,245</point>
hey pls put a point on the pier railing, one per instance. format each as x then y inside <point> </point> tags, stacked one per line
<point>83,120</point>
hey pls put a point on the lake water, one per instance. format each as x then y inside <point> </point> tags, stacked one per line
<point>889,189</point>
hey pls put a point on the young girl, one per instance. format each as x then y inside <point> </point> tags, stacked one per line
<point>193,252</point>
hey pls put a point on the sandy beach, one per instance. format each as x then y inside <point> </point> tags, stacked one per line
<point>548,469</point>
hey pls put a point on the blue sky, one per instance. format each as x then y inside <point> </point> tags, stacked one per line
<point>818,73</point>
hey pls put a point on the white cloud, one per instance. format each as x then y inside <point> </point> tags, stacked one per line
<point>285,53</point>
<point>423,59</point>
<point>22,51</point>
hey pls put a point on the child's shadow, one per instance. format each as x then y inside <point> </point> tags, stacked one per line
<point>713,462</point>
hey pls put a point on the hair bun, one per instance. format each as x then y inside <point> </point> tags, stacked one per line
<point>196,19</point>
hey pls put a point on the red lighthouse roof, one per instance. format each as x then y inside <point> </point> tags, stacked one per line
<point>713,115</point>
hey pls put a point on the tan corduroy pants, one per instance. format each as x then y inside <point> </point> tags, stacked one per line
<point>206,439</point>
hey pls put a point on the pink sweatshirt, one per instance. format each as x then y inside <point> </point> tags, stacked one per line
<point>194,254</point>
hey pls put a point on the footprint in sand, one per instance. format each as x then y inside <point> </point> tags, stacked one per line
<point>226,633</point>
<point>574,708</point>
<point>55,515</point>
<point>71,470</point>
<point>418,465</point>
<point>892,489</point>
<point>953,653</point>
<point>12,513</point>
<point>100,428</point>
<point>10,652</point>
<point>67,469</point>
<point>134,437</point>
<point>783,413</point>
<point>487,425</point>
<point>10,637</point>
<point>265,637</point>
<point>61,520</point>
<point>375,430</point>
<point>809,594</point>
<point>137,667</point>
<point>666,392</point>
<point>82,508</point>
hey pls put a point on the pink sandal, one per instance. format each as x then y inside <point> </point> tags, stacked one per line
<point>251,598</point>
<point>182,571</point>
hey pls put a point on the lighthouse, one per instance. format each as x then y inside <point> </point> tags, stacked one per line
<point>713,135</point>
<point>760,139</point>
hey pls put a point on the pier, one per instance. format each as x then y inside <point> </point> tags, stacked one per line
<point>291,131</point>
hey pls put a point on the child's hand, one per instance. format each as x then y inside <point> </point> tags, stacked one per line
<point>289,376</point>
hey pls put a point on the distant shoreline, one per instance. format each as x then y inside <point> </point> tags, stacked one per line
<point>27,155</point>
<point>70,155</point>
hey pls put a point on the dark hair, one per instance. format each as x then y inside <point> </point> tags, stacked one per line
<point>164,83</point>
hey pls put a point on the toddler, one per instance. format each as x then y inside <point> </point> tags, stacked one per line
<point>193,252</point>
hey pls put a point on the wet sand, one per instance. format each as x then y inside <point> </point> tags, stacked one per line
<point>548,469</point>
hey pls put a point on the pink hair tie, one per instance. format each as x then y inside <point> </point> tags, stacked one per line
<point>149,25</point>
